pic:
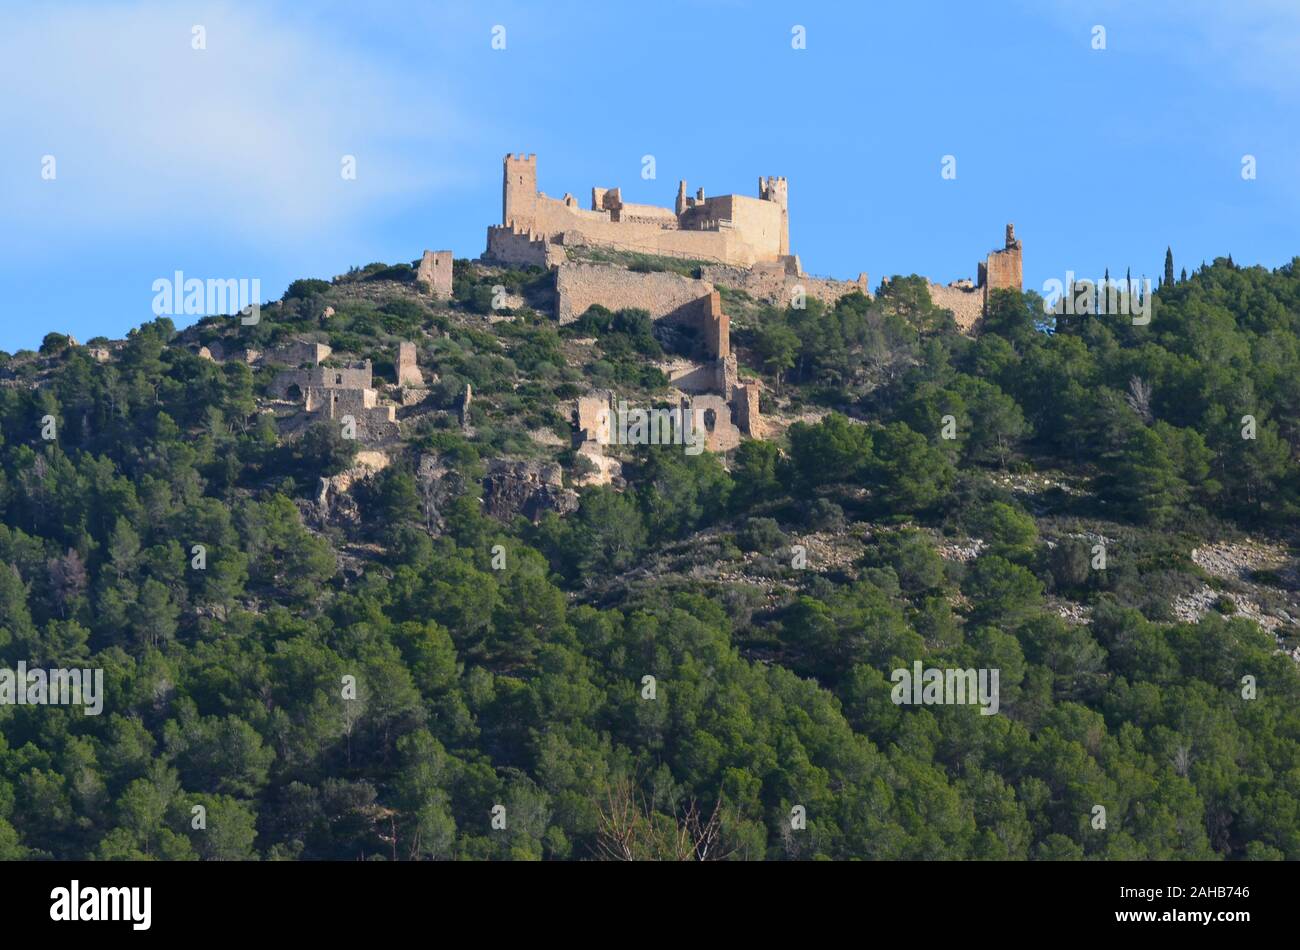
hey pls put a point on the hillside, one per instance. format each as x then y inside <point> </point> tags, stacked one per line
<point>456,636</point>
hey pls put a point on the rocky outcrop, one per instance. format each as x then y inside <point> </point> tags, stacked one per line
<point>334,500</point>
<point>439,483</point>
<point>526,488</point>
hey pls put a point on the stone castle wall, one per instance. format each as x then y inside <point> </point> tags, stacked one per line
<point>733,229</point>
<point>774,283</point>
<point>322,377</point>
<point>662,294</point>
<point>965,300</point>
<point>298,352</point>
<point>509,245</point>
<point>1001,270</point>
<point>374,423</point>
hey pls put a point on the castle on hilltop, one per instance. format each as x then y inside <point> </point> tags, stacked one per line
<point>737,230</point>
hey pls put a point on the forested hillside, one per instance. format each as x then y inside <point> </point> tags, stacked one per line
<point>928,496</point>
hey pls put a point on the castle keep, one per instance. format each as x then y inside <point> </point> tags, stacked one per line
<point>727,229</point>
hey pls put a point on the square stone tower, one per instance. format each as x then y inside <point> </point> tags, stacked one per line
<point>519,192</point>
<point>408,373</point>
<point>435,270</point>
<point>1004,269</point>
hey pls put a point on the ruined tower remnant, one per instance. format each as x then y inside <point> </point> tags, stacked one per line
<point>775,189</point>
<point>1003,269</point>
<point>333,392</point>
<point>408,373</point>
<point>717,327</point>
<point>435,270</point>
<point>711,393</point>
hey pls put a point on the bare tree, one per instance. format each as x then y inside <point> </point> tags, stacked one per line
<point>67,578</point>
<point>629,830</point>
<point>1139,399</point>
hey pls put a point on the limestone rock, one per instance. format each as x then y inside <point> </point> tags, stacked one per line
<point>526,487</point>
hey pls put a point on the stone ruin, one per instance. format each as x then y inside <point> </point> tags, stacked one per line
<point>337,392</point>
<point>728,229</point>
<point>968,300</point>
<point>710,393</point>
<point>408,372</point>
<point>435,270</point>
<point>743,243</point>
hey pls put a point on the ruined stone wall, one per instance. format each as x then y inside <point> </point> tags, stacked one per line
<point>716,326</point>
<point>775,282</point>
<point>690,377</point>
<point>964,300</point>
<point>344,377</point>
<point>760,223</point>
<point>595,410</point>
<point>435,269</point>
<point>713,376</point>
<point>662,294</point>
<point>746,399</point>
<point>347,401</point>
<point>322,377</point>
<point>727,246</point>
<point>374,423</point>
<point>521,248</point>
<point>714,413</point>
<point>297,353</point>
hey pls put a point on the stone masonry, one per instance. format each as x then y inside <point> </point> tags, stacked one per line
<point>661,294</point>
<point>711,394</point>
<point>435,270</point>
<point>777,283</point>
<point>728,229</point>
<point>968,300</point>
<point>338,392</point>
<point>408,373</point>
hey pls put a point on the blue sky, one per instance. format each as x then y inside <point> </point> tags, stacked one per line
<point>225,162</point>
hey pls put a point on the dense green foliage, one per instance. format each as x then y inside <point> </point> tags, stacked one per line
<point>523,687</point>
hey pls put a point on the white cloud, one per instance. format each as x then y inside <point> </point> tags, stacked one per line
<point>241,139</point>
<point>1255,43</point>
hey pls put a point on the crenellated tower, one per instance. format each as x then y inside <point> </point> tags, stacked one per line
<point>519,192</point>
